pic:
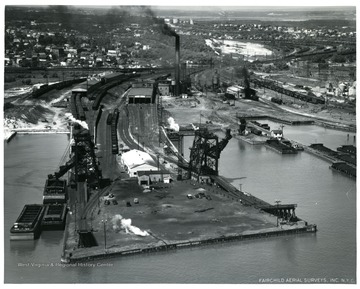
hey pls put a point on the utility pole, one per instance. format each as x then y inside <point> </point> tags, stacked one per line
<point>75,216</point>
<point>277,212</point>
<point>104,222</point>
<point>282,130</point>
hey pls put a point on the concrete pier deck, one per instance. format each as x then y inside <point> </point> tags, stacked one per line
<point>170,219</point>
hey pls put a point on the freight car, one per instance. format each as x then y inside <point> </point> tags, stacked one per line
<point>277,100</point>
<point>59,85</point>
<point>79,107</point>
<point>73,108</point>
<point>110,83</point>
<point>114,139</point>
<point>109,119</point>
<point>163,77</point>
<point>304,97</point>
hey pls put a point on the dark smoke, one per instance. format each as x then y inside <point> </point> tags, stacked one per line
<point>167,30</point>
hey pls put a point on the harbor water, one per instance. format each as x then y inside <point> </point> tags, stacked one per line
<point>324,197</point>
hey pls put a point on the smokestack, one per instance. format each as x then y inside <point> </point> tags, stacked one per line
<point>167,30</point>
<point>177,65</point>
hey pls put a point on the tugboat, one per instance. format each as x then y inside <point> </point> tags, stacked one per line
<point>28,224</point>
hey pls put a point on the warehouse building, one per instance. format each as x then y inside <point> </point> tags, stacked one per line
<point>164,88</point>
<point>135,161</point>
<point>235,90</point>
<point>142,92</point>
<point>146,178</point>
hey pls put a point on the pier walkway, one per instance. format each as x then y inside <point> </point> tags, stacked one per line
<point>241,196</point>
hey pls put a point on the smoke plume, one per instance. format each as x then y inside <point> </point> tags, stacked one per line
<point>121,223</point>
<point>167,30</point>
<point>172,124</point>
<point>73,119</point>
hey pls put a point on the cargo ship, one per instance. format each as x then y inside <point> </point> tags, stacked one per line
<point>28,224</point>
<point>54,217</point>
<point>55,191</point>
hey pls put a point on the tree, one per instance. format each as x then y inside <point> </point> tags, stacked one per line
<point>339,58</point>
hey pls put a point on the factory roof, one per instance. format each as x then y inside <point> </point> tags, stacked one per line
<point>136,159</point>
<point>152,172</point>
<point>145,91</point>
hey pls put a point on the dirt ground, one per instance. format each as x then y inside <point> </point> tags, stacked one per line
<point>167,215</point>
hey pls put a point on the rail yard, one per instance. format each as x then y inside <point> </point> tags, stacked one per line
<point>124,186</point>
<point>113,213</point>
<point>209,129</point>
<point>160,200</point>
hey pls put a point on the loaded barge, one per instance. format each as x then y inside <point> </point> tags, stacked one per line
<point>54,217</point>
<point>282,147</point>
<point>28,224</point>
<point>55,191</point>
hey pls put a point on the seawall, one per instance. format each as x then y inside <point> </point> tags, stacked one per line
<point>117,252</point>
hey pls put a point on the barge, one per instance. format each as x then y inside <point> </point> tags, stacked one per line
<point>282,147</point>
<point>55,191</point>
<point>54,217</point>
<point>28,224</point>
<point>344,168</point>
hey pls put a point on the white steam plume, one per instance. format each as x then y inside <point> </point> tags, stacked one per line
<point>172,124</point>
<point>73,119</point>
<point>126,225</point>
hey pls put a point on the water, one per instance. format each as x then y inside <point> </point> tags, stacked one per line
<point>323,196</point>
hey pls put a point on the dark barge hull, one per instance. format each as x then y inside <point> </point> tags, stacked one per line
<point>28,224</point>
<point>283,151</point>
<point>344,168</point>
<point>54,217</point>
<point>55,191</point>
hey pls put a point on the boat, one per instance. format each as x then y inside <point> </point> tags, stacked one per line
<point>282,147</point>
<point>28,224</point>
<point>55,191</point>
<point>54,217</point>
<point>298,147</point>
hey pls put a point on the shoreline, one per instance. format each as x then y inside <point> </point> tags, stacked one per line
<point>118,252</point>
<point>24,131</point>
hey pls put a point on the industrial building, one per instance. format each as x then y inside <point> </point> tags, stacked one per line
<point>235,90</point>
<point>142,92</point>
<point>164,87</point>
<point>135,161</point>
<point>141,165</point>
<point>149,177</point>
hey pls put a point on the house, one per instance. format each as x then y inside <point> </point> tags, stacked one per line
<point>112,53</point>
<point>277,134</point>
